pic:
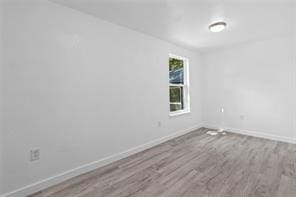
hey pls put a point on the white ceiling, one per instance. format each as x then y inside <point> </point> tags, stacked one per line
<point>185,22</point>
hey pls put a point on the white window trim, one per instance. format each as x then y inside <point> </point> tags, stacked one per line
<point>185,87</point>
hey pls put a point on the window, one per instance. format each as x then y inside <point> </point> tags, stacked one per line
<point>179,87</point>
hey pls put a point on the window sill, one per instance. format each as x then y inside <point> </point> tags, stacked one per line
<point>179,113</point>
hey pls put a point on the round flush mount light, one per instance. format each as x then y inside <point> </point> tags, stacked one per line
<point>217,27</point>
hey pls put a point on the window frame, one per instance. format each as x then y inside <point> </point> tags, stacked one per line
<point>186,92</point>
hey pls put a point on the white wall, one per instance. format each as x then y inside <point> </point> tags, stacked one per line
<point>1,103</point>
<point>255,80</point>
<point>294,67</point>
<point>294,63</point>
<point>81,89</point>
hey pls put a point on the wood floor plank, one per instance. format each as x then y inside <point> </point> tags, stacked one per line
<point>193,165</point>
<point>287,187</point>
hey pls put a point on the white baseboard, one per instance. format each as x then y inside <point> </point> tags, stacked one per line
<point>40,185</point>
<point>264,135</point>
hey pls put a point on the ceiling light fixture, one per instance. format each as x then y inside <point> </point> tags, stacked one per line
<point>217,27</point>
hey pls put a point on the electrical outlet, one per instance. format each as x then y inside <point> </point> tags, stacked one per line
<point>34,154</point>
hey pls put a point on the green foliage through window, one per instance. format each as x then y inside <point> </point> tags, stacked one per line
<point>175,64</point>
<point>175,94</point>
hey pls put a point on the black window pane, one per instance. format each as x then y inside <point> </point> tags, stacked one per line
<point>175,107</point>
<point>175,94</point>
<point>176,98</point>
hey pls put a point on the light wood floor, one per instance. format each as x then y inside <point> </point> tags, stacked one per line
<point>193,165</point>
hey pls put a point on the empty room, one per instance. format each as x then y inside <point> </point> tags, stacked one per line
<point>147,98</point>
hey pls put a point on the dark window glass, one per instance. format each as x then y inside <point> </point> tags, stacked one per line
<point>176,98</point>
